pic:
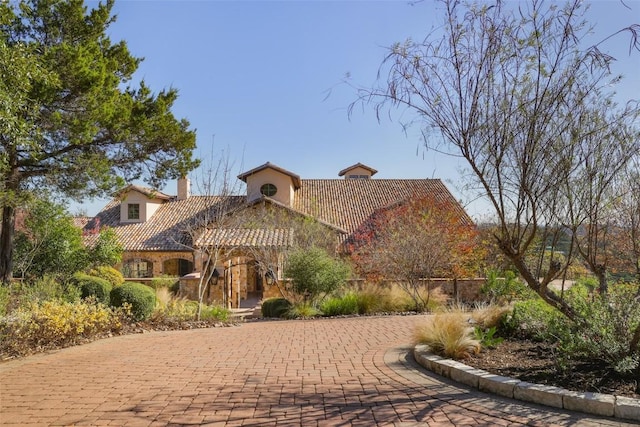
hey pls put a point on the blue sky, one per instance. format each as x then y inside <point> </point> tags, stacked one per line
<point>263,79</point>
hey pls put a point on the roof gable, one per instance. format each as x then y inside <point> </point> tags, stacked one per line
<point>149,192</point>
<point>275,203</point>
<point>294,178</point>
<point>358,165</point>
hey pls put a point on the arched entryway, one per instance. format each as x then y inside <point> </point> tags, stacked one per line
<point>177,267</point>
<point>254,285</point>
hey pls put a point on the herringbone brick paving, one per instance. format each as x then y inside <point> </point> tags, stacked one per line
<point>327,372</point>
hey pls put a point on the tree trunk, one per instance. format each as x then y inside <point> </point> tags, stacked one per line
<point>6,243</point>
<point>601,274</point>
<point>541,287</point>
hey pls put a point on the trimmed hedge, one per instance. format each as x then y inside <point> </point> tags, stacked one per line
<point>275,307</point>
<point>141,297</point>
<point>92,286</point>
<point>110,274</point>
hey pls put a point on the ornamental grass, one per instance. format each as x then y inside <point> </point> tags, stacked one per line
<point>448,334</point>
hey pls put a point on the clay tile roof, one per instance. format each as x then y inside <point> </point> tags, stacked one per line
<point>347,203</point>
<point>295,178</point>
<point>357,165</point>
<point>244,237</point>
<point>170,226</point>
<point>81,221</point>
<point>341,204</point>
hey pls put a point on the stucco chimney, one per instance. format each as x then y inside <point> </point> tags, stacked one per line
<point>184,188</point>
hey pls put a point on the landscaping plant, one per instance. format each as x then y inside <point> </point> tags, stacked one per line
<point>94,287</point>
<point>341,305</point>
<point>141,298</point>
<point>315,274</point>
<point>514,92</point>
<point>55,323</point>
<point>163,282</point>
<point>412,242</point>
<point>612,335</point>
<point>109,274</point>
<point>505,287</point>
<point>448,334</point>
<point>302,310</point>
<point>275,307</point>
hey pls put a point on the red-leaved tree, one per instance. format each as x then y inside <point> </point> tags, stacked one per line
<point>413,241</point>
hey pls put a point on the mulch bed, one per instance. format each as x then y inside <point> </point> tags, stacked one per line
<point>536,362</point>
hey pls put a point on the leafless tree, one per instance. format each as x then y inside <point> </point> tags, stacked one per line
<point>208,230</point>
<point>508,88</point>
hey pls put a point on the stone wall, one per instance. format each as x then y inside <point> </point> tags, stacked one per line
<point>468,289</point>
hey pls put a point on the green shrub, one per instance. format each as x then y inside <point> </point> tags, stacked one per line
<point>303,310</point>
<point>589,283</point>
<point>604,333</point>
<point>607,333</point>
<point>141,298</point>
<point>109,274</point>
<point>339,306</point>
<point>214,312</point>
<point>163,282</point>
<point>91,286</point>
<point>45,288</point>
<point>535,319</point>
<point>275,307</point>
<point>487,337</point>
<point>504,287</point>
<point>314,273</point>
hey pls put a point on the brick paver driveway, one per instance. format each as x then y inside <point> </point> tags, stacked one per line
<point>336,372</point>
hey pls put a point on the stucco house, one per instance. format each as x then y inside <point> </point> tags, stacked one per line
<point>175,235</point>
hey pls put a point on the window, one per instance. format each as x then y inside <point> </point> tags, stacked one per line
<point>358,176</point>
<point>133,211</point>
<point>137,268</point>
<point>268,190</point>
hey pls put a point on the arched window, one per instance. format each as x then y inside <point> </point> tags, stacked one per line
<point>137,268</point>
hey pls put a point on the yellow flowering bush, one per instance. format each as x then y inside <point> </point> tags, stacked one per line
<point>56,324</point>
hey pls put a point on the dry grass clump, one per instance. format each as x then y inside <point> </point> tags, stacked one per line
<point>489,315</point>
<point>448,334</point>
<point>164,298</point>
<point>373,298</point>
<point>389,298</point>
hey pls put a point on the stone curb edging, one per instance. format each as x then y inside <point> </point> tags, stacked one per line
<point>591,403</point>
